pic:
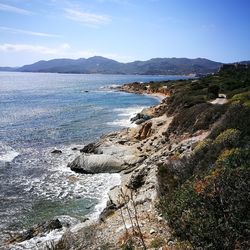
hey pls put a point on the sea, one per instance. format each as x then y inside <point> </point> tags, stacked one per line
<point>40,112</point>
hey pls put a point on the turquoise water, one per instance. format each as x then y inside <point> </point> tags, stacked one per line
<point>40,112</point>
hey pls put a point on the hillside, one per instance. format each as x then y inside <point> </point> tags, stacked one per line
<point>204,185</point>
<point>101,65</point>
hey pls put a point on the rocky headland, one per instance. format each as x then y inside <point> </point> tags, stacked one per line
<point>184,170</point>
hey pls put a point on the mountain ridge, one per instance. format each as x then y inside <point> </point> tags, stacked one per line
<point>102,65</point>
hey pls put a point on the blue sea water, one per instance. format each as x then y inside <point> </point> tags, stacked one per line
<point>40,112</point>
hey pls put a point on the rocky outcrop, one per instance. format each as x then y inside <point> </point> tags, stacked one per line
<point>93,164</point>
<point>140,118</point>
<point>136,153</point>
<point>142,88</point>
<point>137,179</point>
<point>89,148</point>
<point>145,131</point>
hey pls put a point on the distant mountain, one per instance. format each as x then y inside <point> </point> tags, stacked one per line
<point>245,62</point>
<point>101,65</point>
<point>8,69</point>
<point>173,66</point>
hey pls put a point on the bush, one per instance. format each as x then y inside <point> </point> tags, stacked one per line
<point>228,138</point>
<point>198,117</point>
<point>212,212</point>
<point>234,158</point>
<point>213,91</point>
<point>201,149</point>
<point>238,117</point>
<point>208,205</point>
<point>243,98</point>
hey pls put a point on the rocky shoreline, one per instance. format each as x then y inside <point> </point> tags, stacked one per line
<point>185,154</point>
<point>131,215</point>
<point>135,153</point>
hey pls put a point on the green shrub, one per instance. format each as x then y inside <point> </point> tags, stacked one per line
<point>209,204</point>
<point>167,179</point>
<point>197,117</point>
<point>243,98</point>
<point>202,147</point>
<point>213,91</point>
<point>238,117</point>
<point>228,138</point>
<point>234,157</point>
<point>213,212</point>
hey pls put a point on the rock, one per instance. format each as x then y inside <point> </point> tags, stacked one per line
<point>93,164</point>
<point>145,131</point>
<point>122,142</point>
<point>171,243</point>
<point>89,148</point>
<point>108,210</point>
<point>152,231</point>
<point>139,121</point>
<point>137,179</point>
<point>68,221</point>
<point>74,149</point>
<point>140,118</point>
<point>37,230</point>
<point>56,151</point>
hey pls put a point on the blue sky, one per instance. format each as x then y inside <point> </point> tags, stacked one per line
<point>124,30</point>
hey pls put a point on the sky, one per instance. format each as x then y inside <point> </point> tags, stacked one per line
<point>123,30</point>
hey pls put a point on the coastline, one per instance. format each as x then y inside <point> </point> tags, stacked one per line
<point>138,192</point>
<point>165,171</point>
<point>132,205</point>
<point>159,96</point>
<point>92,219</point>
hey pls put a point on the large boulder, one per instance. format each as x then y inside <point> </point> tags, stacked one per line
<point>93,164</point>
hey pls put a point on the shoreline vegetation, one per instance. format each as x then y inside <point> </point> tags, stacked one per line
<point>184,169</point>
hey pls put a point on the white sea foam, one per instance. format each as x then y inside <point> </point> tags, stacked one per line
<point>7,153</point>
<point>64,183</point>
<point>110,87</point>
<point>42,242</point>
<point>126,114</point>
<point>112,181</point>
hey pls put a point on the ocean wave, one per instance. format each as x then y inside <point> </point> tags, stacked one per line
<point>62,184</point>
<point>126,114</point>
<point>7,153</point>
<point>110,87</point>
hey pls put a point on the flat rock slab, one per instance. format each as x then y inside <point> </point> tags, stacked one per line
<point>94,164</point>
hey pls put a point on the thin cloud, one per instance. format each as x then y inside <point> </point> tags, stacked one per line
<point>63,50</point>
<point>26,32</point>
<point>86,18</point>
<point>13,9</point>
<point>29,48</point>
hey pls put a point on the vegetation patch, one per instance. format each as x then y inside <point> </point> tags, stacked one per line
<point>197,117</point>
<point>208,205</point>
